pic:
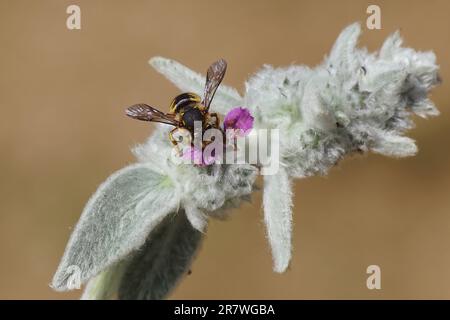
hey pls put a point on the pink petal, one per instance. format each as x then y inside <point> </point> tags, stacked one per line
<point>239,119</point>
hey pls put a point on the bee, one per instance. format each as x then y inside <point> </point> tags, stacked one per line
<point>186,108</point>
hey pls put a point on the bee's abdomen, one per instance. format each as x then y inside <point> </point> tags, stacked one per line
<point>190,115</point>
<point>183,102</point>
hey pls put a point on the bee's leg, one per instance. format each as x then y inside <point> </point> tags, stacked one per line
<point>217,125</point>
<point>174,141</point>
<point>216,116</point>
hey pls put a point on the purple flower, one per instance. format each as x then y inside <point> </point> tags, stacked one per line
<point>240,120</point>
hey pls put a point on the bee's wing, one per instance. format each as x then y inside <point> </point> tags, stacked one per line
<point>146,113</point>
<point>214,77</point>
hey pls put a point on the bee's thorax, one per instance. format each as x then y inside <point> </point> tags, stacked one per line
<point>184,101</point>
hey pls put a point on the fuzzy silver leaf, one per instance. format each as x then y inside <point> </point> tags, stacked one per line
<point>157,267</point>
<point>116,221</point>
<point>277,202</point>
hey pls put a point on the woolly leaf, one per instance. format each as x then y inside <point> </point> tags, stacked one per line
<point>105,285</point>
<point>391,45</point>
<point>116,220</point>
<point>166,256</point>
<point>392,145</point>
<point>195,216</point>
<point>277,202</point>
<point>315,113</point>
<point>343,52</point>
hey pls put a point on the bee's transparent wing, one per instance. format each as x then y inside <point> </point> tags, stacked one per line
<point>144,112</point>
<point>190,81</point>
<point>214,77</point>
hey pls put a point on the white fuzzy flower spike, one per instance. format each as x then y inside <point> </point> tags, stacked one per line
<point>140,230</point>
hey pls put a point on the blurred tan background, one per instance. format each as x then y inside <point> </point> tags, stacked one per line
<point>63,131</point>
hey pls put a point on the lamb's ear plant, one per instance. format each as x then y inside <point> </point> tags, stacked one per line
<point>140,231</point>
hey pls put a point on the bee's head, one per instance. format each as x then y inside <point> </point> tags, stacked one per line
<point>184,100</point>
